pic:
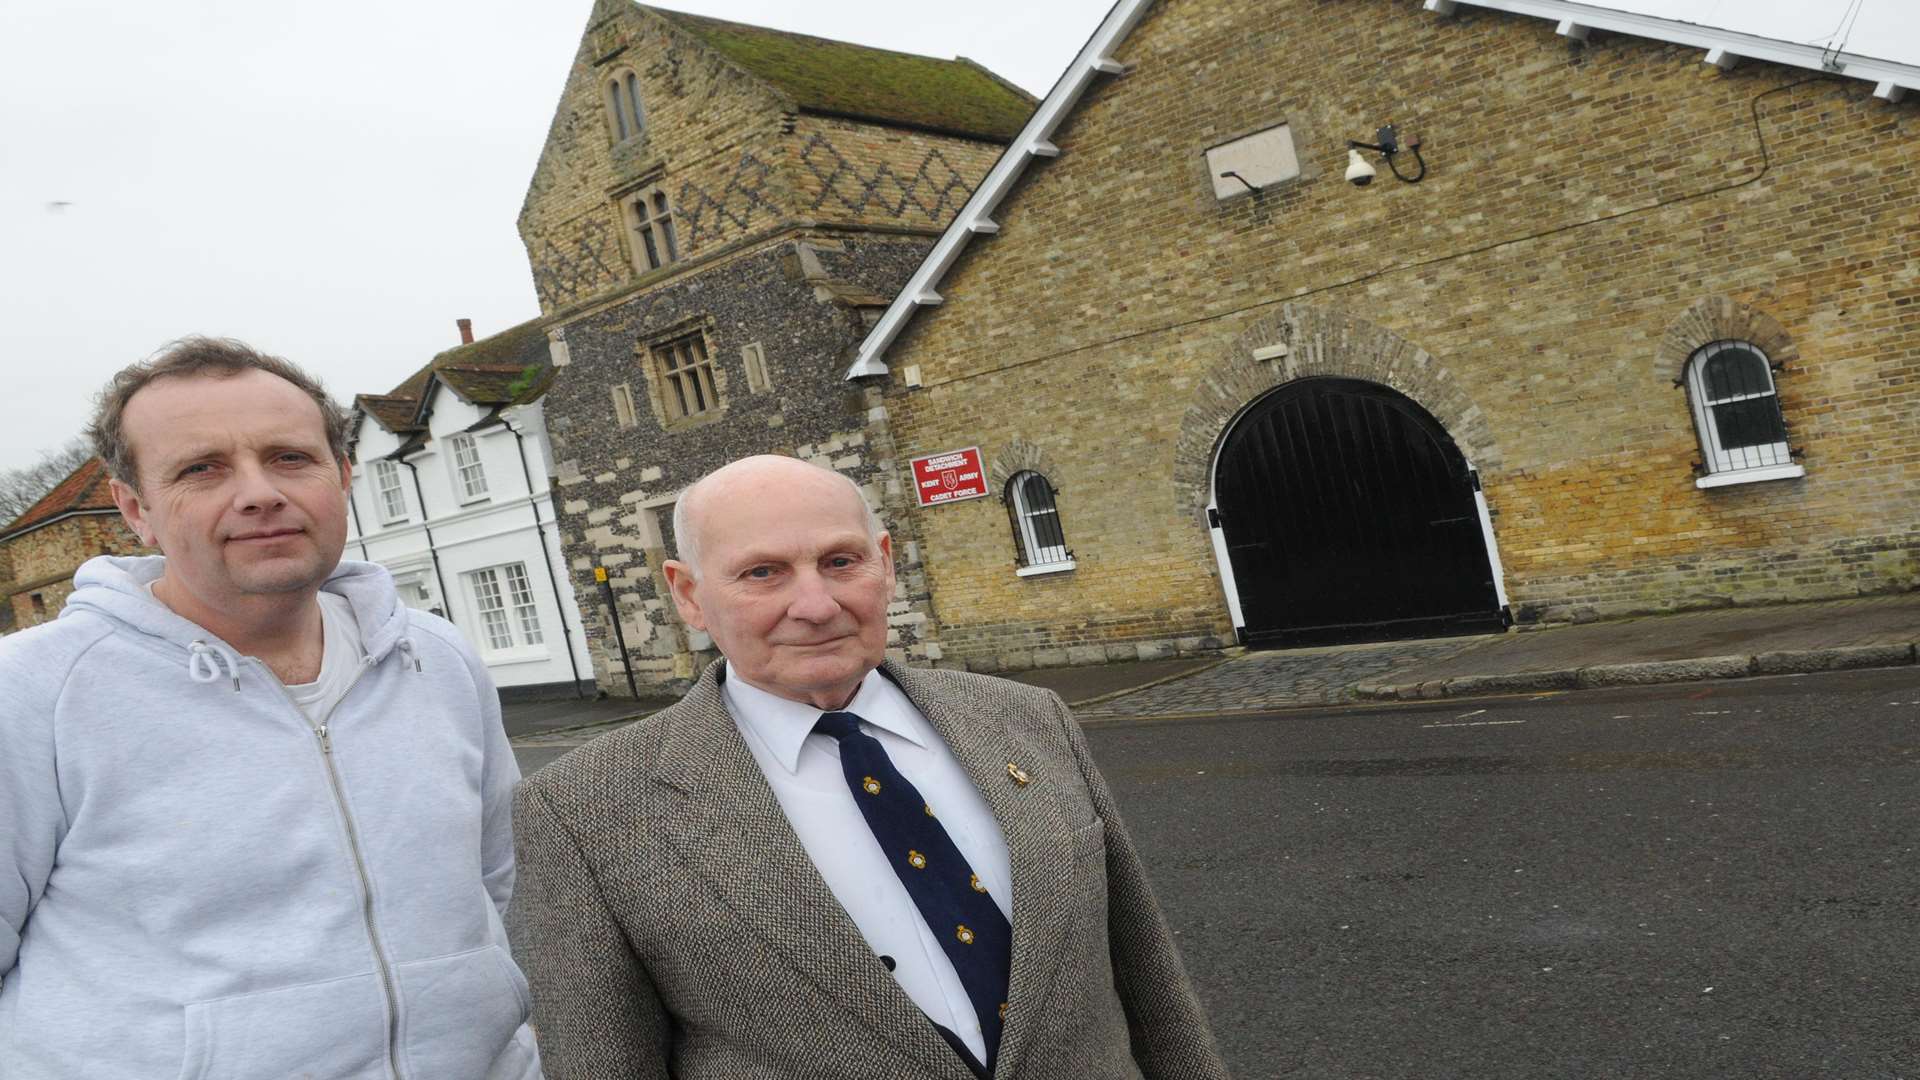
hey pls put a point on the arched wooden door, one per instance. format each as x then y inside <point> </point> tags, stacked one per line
<point>1349,514</point>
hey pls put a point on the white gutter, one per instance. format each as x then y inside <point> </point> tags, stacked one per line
<point>1723,48</point>
<point>976,217</point>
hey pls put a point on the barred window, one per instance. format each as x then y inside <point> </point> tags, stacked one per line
<point>504,599</point>
<point>1039,542</point>
<point>650,219</point>
<point>470,478</point>
<point>1737,414</point>
<point>686,377</point>
<point>393,500</point>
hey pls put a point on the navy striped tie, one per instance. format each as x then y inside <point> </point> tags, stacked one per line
<point>963,918</point>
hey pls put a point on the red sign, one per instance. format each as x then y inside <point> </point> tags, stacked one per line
<point>949,477</point>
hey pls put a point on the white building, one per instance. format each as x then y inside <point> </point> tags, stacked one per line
<point>451,493</point>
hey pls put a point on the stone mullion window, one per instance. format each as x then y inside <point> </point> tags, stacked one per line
<point>650,216</point>
<point>686,377</point>
<point>623,102</point>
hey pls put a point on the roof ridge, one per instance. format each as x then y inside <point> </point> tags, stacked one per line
<point>671,13</point>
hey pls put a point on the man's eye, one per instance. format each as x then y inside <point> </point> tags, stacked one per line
<point>295,456</point>
<point>760,572</point>
<point>192,470</point>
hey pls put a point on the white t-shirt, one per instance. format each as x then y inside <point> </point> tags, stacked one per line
<point>339,659</point>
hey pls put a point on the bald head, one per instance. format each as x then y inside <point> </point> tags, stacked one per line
<point>750,478</point>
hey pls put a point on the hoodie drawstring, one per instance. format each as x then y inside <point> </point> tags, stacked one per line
<point>204,660</point>
<point>406,649</point>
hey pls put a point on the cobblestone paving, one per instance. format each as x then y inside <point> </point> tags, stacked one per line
<point>1279,680</point>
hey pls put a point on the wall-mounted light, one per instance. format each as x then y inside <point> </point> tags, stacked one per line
<point>1360,173</point>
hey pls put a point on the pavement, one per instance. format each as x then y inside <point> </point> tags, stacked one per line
<point>1872,631</point>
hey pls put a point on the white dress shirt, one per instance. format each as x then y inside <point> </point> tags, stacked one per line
<point>803,769</point>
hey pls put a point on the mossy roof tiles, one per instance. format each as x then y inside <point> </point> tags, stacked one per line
<point>839,78</point>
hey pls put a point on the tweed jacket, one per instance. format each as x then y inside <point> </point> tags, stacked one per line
<point>672,925</point>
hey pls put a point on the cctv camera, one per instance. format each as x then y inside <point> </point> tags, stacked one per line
<point>1359,173</point>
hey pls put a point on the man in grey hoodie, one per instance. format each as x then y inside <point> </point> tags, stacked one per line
<point>254,812</point>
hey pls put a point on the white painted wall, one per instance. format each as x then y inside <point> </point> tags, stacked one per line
<point>492,531</point>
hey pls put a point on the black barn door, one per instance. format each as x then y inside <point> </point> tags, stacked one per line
<point>1349,515</point>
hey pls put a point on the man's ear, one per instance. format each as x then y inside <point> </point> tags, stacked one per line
<point>885,541</point>
<point>680,583</point>
<point>128,500</point>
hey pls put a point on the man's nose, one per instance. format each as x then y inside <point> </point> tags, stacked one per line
<point>256,488</point>
<point>812,600</point>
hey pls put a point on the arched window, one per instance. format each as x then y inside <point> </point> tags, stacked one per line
<point>1737,413</point>
<point>623,106</point>
<point>1039,542</point>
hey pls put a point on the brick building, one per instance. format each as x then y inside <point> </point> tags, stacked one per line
<point>718,213</point>
<point>41,549</point>
<point>1645,334</point>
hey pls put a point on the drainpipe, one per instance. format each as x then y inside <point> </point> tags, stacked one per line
<point>354,509</point>
<point>540,534</point>
<point>432,554</point>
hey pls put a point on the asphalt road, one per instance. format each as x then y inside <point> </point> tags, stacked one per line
<point>1698,880</point>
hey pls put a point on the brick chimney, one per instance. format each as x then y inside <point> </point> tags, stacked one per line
<point>466,330</point>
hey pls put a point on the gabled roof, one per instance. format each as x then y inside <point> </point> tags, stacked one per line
<point>395,412</point>
<point>511,367</point>
<point>507,368</point>
<point>1722,47</point>
<point>1094,60</point>
<point>842,79</point>
<point>83,491</point>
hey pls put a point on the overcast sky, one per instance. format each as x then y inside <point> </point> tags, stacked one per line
<point>338,181</point>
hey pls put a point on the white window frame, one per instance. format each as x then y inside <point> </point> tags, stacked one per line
<point>469,472</point>
<point>1743,465</point>
<point>1033,557</point>
<point>389,495</point>
<point>507,619</point>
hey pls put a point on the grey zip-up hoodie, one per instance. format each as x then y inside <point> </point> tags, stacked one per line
<point>196,883</point>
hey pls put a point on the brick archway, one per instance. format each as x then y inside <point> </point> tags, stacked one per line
<point>1719,318</point>
<point>1318,341</point>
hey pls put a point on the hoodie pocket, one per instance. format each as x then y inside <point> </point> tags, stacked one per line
<point>335,1029</point>
<point>460,1012</point>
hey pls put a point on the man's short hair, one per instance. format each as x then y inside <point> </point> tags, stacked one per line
<point>219,357</point>
<point>686,541</point>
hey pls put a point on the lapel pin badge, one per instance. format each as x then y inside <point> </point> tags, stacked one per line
<point>1019,774</point>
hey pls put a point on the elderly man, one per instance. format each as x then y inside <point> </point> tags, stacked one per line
<point>820,865</point>
<point>254,812</point>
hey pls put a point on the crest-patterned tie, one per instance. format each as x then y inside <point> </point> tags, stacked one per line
<point>963,918</point>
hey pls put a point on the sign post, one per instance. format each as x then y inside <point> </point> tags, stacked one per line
<point>949,476</point>
<point>619,635</point>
